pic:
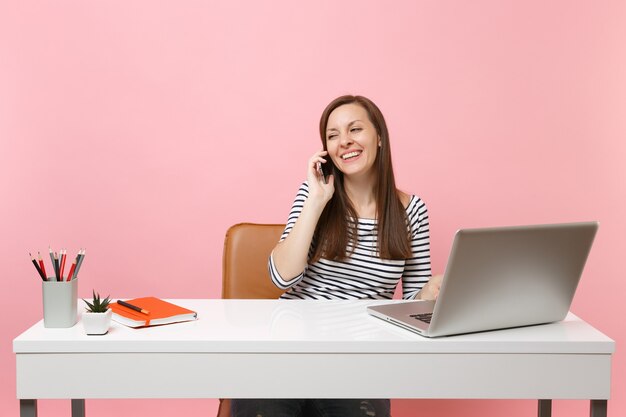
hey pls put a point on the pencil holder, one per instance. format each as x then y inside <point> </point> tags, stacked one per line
<point>59,303</point>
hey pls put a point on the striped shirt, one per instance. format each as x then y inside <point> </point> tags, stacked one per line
<point>362,275</point>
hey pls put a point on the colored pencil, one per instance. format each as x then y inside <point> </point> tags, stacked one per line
<point>63,254</point>
<point>52,260</point>
<point>43,268</point>
<point>79,261</point>
<point>69,274</point>
<point>41,274</point>
<point>56,266</point>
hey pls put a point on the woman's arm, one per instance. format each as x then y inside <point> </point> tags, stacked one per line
<point>417,271</point>
<point>289,257</point>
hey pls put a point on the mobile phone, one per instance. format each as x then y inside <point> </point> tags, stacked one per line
<point>322,171</point>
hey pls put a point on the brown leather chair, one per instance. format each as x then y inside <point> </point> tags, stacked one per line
<point>247,247</point>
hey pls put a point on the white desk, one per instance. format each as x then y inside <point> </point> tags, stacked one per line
<point>237,347</point>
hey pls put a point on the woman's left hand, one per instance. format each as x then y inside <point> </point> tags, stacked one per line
<point>430,291</point>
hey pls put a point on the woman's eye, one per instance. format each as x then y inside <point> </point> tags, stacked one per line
<point>331,137</point>
<point>356,129</point>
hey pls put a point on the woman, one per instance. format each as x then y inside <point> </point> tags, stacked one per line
<point>349,235</point>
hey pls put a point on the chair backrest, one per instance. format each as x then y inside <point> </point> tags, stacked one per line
<point>247,247</point>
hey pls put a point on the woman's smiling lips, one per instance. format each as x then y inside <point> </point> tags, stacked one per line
<point>350,155</point>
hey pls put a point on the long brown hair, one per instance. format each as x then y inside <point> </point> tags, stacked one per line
<point>337,227</point>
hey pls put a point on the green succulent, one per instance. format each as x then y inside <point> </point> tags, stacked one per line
<point>98,305</point>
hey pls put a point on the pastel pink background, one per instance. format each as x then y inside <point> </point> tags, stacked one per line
<point>142,130</point>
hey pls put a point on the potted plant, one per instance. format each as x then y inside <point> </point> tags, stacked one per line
<point>97,316</point>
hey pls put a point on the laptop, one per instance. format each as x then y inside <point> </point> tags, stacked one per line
<point>500,278</point>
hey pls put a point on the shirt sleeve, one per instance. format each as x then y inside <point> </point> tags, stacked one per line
<point>417,269</point>
<point>294,214</point>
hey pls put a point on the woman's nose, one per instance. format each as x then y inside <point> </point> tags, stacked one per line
<point>346,139</point>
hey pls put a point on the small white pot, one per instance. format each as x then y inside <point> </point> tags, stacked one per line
<point>97,323</point>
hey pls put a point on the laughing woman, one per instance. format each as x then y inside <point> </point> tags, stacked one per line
<point>351,234</point>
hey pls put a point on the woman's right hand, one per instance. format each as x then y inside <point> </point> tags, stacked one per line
<point>430,291</point>
<point>320,191</point>
<point>290,255</point>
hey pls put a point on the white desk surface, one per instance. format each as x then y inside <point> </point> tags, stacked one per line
<point>306,326</point>
<point>339,349</point>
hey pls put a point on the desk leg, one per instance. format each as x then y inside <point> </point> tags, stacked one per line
<point>598,408</point>
<point>545,408</point>
<point>78,408</point>
<point>28,408</point>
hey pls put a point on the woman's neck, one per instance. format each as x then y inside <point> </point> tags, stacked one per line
<point>362,197</point>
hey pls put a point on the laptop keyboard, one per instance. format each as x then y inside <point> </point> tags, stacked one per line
<point>425,317</point>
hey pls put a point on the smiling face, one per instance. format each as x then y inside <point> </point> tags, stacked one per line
<point>352,141</point>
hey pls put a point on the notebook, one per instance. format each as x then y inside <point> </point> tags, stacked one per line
<point>159,312</point>
<point>501,278</point>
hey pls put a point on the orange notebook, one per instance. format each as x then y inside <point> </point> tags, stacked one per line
<point>161,312</point>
